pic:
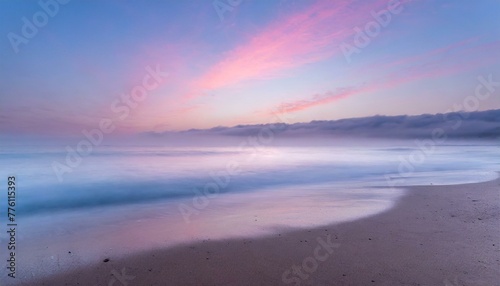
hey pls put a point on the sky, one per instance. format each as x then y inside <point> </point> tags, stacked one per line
<point>155,66</point>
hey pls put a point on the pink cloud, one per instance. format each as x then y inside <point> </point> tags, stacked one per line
<point>305,37</point>
<point>419,67</point>
<point>316,100</point>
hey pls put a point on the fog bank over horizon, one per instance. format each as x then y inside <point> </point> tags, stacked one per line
<point>455,125</point>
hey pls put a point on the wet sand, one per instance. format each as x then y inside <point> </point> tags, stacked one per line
<point>434,235</point>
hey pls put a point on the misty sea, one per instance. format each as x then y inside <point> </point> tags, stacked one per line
<point>146,197</point>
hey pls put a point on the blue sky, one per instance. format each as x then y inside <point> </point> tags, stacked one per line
<point>239,65</point>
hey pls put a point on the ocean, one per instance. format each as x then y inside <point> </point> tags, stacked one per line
<point>121,200</point>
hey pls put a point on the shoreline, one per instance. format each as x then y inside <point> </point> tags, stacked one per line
<point>433,235</point>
